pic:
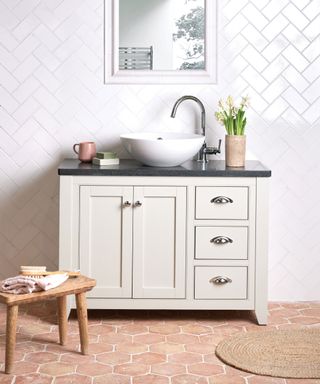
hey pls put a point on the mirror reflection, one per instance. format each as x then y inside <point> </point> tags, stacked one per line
<point>162,35</point>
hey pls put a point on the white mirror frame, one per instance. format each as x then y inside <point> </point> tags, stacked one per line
<point>114,76</point>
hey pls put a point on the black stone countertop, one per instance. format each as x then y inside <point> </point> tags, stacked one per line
<point>214,168</point>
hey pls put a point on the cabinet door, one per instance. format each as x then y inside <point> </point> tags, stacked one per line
<point>159,251</point>
<point>106,239</point>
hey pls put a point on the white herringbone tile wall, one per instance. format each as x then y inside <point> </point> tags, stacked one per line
<point>52,95</point>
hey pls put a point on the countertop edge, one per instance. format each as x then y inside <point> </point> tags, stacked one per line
<point>131,168</point>
<point>116,173</point>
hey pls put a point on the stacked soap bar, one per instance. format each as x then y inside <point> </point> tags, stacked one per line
<point>105,158</point>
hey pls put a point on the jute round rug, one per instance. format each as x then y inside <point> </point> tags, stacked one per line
<point>287,354</point>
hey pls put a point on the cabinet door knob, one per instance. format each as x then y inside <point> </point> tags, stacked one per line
<point>137,204</point>
<point>220,280</point>
<point>127,204</point>
<point>221,200</point>
<point>221,240</point>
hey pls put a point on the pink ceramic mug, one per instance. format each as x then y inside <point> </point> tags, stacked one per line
<point>86,151</point>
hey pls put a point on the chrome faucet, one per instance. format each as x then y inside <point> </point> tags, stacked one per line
<point>204,151</point>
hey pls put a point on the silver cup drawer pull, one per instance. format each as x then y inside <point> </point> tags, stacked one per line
<point>221,200</point>
<point>220,280</point>
<point>221,240</point>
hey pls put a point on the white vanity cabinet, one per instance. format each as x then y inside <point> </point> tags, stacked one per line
<point>163,242</point>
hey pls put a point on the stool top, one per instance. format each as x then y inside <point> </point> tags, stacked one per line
<point>71,286</point>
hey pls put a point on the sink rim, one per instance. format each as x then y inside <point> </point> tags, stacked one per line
<point>165,136</point>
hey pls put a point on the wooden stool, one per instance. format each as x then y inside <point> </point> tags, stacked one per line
<point>77,286</point>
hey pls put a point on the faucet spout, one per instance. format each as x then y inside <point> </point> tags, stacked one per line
<point>199,102</point>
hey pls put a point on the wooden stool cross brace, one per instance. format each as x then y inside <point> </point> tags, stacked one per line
<point>77,286</point>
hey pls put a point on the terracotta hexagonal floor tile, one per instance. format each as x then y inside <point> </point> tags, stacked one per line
<point>112,379</point>
<point>100,329</point>
<point>94,369</point>
<point>266,380</point>
<point>18,355</point>
<point>43,338</point>
<point>167,348</point>
<point>272,306</point>
<point>57,368</point>
<point>150,379</point>
<point>196,329</point>
<point>115,338</point>
<point>205,369</point>
<point>189,379</point>
<point>168,369</point>
<point>113,358</point>
<point>286,313</point>
<point>274,319</point>
<point>34,328</point>
<point>149,338</point>
<point>228,329</point>
<point>182,338</point>
<point>149,358</point>
<point>133,329</point>
<point>227,379</point>
<point>307,320</point>
<point>23,367</point>
<point>95,348</point>
<point>115,320</point>
<point>185,358</point>
<point>131,347</point>
<point>297,305</point>
<point>291,326</point>
<point>29,346</point>
<point>76,358</point>
<point>35,378</point>
<point>41,357</point>
<point>200,348</point>
<point>73,379</point>
<point>4,378</point>
<point>131,369</point>
<point>57,348</point>
<point>164,329</point>
<point>212,358</point>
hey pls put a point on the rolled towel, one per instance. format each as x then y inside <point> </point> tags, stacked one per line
<point>51,281</point>
<point>23,284</point>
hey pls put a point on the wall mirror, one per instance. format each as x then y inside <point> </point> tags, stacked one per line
<point>160,41</point>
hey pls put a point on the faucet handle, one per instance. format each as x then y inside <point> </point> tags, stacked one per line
<point>219,146</point>
<point>214,150</point>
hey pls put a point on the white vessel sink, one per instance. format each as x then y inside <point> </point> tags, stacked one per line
<point>163,149</point>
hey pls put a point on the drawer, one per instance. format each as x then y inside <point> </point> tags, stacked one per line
<point>221,243</point>
<point>222,203</point>
<point>221,283</point>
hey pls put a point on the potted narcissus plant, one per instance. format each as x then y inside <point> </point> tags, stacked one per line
<point>233,118</point>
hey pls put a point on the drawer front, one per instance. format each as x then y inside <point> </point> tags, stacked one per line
<point>222,243</point>
<point>222,203</point>
<point>221,283</point>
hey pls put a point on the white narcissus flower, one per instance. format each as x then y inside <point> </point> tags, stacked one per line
<point>221,104</point>
<point>234,112</point>
<point>245,102</point>
<point>219,116</point>
<point>230,102</point>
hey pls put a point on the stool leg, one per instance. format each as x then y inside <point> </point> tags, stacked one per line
<point>11,332</point>
<point>83,321</point>
<point>62,319</point>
